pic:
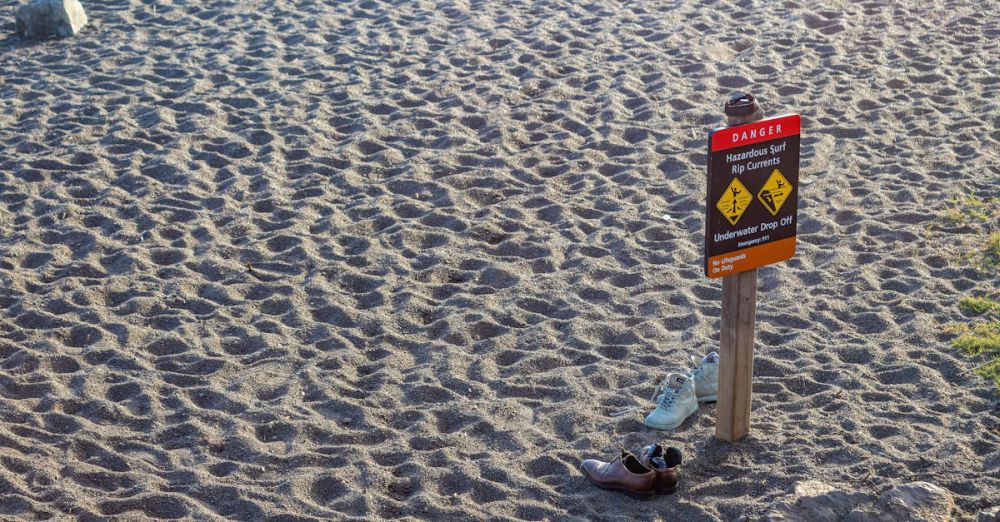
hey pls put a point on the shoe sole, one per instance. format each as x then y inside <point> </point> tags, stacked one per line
<point>638,495</point>
<point>666,428</point>
<point>672,426</point>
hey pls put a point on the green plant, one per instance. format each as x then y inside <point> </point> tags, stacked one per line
<point>970,207</point>
<point>991,257</point>
<point>977,305</point>
<point>987,256</point>
<point>983,340</point>
<point>979,245</point>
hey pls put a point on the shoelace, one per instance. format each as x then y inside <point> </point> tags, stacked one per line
<point>664,395</point>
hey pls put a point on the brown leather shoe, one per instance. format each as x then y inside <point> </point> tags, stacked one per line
<point>665,463</point>
<point>625,474</point>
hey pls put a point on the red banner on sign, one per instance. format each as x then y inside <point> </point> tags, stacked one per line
<point>748,134</point>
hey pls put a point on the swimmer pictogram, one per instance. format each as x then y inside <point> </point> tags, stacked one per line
<point>734,201</point>
<point>774,192</point>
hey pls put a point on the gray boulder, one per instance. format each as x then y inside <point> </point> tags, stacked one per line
<point>990,515</point>
<point>815,501</point>
<point>916,501</point>
<point>48,18</point>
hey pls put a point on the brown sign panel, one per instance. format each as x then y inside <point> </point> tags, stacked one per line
<point>753,191</point>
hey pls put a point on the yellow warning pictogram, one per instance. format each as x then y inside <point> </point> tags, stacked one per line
<point>774,192</point>
<point>734,202</point>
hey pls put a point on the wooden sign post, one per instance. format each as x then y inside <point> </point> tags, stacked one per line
<point>751,218</point>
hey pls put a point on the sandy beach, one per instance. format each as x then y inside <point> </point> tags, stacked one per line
<point>403,260</point>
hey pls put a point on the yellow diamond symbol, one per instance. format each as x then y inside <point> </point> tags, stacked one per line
<point>774,192</point>
<point>734,202</point>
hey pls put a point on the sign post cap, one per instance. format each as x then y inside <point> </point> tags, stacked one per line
<point>741,104</point>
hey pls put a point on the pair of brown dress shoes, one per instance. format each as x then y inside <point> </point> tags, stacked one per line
<point>655,470</point>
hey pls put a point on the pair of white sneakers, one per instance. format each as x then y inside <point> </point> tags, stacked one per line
<point>678,396</point>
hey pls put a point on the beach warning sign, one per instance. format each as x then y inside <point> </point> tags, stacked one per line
<point>752,203</point>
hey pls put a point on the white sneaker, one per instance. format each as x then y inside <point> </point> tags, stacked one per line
<point>676,402</point>
<point>706,377</point>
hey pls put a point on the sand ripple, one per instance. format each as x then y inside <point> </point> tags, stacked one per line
<point>320,260</point>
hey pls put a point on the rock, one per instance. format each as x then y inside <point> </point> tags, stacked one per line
<point>47,18</point>
<point>814,501</point>
<point>916,501</point>
<point>990,515</point>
